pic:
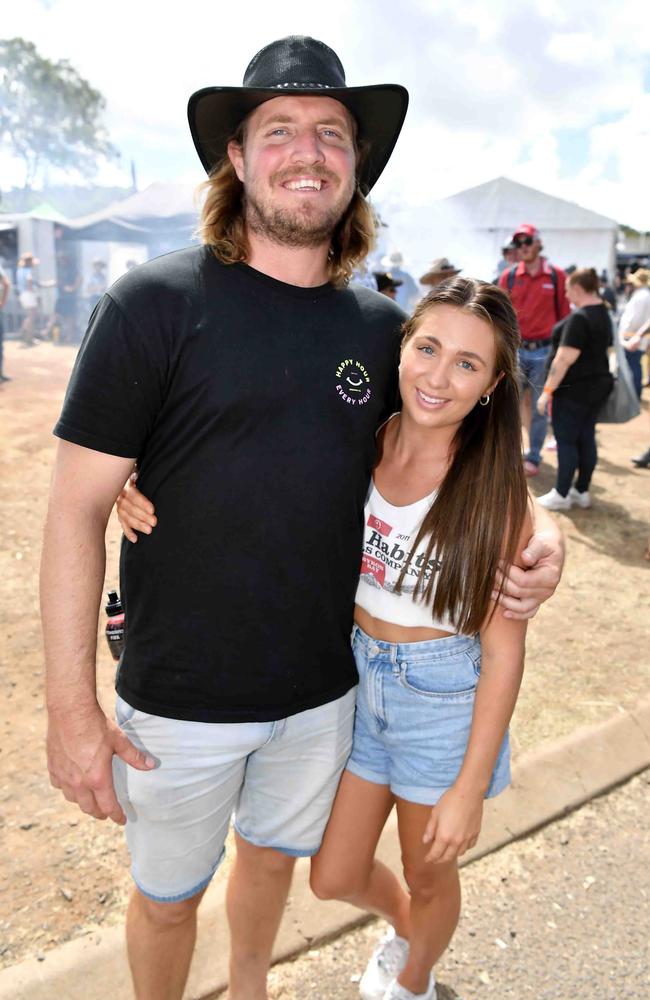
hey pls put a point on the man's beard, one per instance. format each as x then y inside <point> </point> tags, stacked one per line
<point>297,228</point>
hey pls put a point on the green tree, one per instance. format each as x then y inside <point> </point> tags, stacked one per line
<point>49,115</point>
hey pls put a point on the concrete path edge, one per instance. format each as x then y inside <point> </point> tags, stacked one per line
<point>548,783</point>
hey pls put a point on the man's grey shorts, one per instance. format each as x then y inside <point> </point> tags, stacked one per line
<point>277,778</point>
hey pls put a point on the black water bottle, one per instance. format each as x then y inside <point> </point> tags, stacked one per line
<point>115,625</point>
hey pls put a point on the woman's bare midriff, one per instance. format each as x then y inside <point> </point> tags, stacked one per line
<point>389,632</point>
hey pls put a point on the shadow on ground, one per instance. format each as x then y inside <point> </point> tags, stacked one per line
<point>608,526</point>
<point>446,992</point>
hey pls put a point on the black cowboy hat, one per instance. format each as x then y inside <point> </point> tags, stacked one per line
<point>386,282</point>
<point>299,65</point>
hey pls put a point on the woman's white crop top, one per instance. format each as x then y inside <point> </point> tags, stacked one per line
<point>388,533</point>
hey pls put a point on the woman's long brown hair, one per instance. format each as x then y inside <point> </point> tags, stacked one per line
<point>222,224</point>
<point>478,513</point>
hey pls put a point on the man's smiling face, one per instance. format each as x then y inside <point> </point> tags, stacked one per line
<point>297,166</point>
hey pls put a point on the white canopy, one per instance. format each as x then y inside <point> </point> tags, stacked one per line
<point>470,228</point>
<point>163,207</point>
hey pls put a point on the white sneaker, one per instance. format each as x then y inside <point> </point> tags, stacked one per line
<point>398,992</point>
<point>582,499</point>
<point>555,501</point>
<point>388,960</point>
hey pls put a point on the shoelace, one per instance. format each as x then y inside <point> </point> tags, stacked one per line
<point>391,958</point>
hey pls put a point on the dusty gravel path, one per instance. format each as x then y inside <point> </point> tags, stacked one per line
<point>561,915</point>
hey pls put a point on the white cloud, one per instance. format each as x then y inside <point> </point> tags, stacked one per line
<point>491,84</point>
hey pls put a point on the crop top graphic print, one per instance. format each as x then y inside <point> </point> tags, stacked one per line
<point>388,533</point>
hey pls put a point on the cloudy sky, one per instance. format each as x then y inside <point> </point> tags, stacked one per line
<point>554,95</point>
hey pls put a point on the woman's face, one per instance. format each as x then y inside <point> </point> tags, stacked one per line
<point>572,292</point>
<point>447,364</point>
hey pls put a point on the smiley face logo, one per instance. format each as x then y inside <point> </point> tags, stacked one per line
<point>356,378</point>
<point>353,382</point>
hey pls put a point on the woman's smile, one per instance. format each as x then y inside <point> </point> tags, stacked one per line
<point>430,402</point>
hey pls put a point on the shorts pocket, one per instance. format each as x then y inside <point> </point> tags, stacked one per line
<point>453,679</point>
<point>123,711</point>
<point>360,657</point>
<point>475,656</point>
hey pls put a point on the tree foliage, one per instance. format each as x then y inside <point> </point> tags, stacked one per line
<point>49,115</point>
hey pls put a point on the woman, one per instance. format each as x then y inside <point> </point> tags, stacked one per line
<point>578,381</point>
<point>439,668</point>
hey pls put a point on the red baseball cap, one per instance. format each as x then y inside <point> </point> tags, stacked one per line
<point>526,229</point>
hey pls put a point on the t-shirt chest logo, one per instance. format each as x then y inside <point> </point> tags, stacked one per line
<point>353,382</point>
<point>386,552</point>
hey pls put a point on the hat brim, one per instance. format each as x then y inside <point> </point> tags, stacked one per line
<point>215,113</point>
<point>427,278</point>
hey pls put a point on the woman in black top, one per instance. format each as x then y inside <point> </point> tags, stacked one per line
<point>579,381</point>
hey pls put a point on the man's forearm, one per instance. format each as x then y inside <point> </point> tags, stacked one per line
<point>72,575</point>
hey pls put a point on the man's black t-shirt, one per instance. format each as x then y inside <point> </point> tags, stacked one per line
<point>588,329</point>
<point>251,407</point>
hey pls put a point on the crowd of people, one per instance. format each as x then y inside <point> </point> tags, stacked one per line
<point>567,321</point>
<point>74,300</point>
<point>330,555</point>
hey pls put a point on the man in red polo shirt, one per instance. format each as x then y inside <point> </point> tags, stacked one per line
<point>537,292</point>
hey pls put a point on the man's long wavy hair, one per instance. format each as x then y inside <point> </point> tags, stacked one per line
<point>478,513</point>
<point>222,224</point>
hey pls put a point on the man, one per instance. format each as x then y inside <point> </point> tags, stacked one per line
<point>4,295</point>
<point>387,284</point>
<point>97,283</point>
<point>439,271</point>
<point>408,294</point>
<point>607,292</point>
<point>537,292</point>
<point>66,308</point>
<point>248,382</point>
<point>509,256</point>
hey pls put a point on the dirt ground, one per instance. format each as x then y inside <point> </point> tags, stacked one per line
<point>64,873</point>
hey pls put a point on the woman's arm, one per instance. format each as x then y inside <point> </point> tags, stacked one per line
<point>565,357</point>
<point>134,511</point>
<point>456,820</point>
<point>502,667</point>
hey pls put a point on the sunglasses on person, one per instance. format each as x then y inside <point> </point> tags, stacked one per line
<point>523,241</point>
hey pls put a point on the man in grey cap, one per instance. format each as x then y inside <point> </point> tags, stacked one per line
<point>248,381</point>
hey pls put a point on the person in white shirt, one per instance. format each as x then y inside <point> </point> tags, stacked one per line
<point>4,294</point>
<point>634,324</point>
<point>407,294</point>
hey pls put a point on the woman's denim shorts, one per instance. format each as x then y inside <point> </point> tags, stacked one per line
<point>414,713</point>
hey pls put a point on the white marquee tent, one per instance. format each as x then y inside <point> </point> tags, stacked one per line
<point>471,227</point>
<point>165,212</point>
